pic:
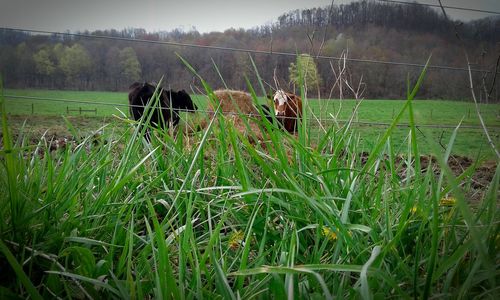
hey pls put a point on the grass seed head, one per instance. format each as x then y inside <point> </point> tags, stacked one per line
<point>235,239</point>
<point>447,201</point>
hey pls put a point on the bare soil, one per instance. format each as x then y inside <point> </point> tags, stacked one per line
<point>479,180</point>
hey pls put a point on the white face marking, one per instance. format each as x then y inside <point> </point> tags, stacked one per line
<point>281,97</point>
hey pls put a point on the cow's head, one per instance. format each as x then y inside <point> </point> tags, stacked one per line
<point>182,100</point>
<point>280,101</point>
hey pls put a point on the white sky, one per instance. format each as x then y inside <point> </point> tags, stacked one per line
<point>154,15</point>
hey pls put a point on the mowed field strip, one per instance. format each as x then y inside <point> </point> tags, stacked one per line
<point>470,142</point>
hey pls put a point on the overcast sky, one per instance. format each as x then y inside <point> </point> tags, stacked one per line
<point>155,15</point>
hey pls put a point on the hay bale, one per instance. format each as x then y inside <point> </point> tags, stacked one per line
<point>231,100</point>
<point>236,105</point>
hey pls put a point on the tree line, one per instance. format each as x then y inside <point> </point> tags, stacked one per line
<point>365,30</point>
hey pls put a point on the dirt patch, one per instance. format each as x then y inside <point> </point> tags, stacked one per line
<point>52,142</point>
<point>479,179</point>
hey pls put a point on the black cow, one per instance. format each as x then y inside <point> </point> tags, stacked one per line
<point>267,112</point>
<point>170,103</point>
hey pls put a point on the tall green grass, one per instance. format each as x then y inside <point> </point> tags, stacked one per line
<point>215,215</point>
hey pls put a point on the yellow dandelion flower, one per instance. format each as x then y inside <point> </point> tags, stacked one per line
<point>447,201</point>
<point>414,209</point>
<point>235,239</point>
<point>329,234</point>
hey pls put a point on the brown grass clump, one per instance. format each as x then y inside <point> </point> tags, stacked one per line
<point>231,100</point>
<point>236,106</point>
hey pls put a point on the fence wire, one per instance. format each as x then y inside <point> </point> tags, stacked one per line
<point>252,51</point>
<point>444,6</point>
<point>321,121</point>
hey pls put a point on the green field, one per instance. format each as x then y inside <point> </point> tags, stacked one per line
<point>470,142</point>
<point>426,111</point>
<point>213,215</point>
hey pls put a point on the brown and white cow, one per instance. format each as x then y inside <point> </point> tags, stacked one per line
<point>288,108</point>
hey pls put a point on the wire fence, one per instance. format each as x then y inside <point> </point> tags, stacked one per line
<point>312,120</point>
<point>251,51</point>
<point>444,6</point>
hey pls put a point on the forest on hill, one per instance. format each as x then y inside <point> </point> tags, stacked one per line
<point>367,32</point>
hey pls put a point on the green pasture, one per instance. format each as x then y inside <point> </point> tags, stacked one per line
<point>426,111</point>
<point>470,142</point>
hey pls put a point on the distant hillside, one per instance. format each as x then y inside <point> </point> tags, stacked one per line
<point>410,18</point>
<point>367,30</point>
